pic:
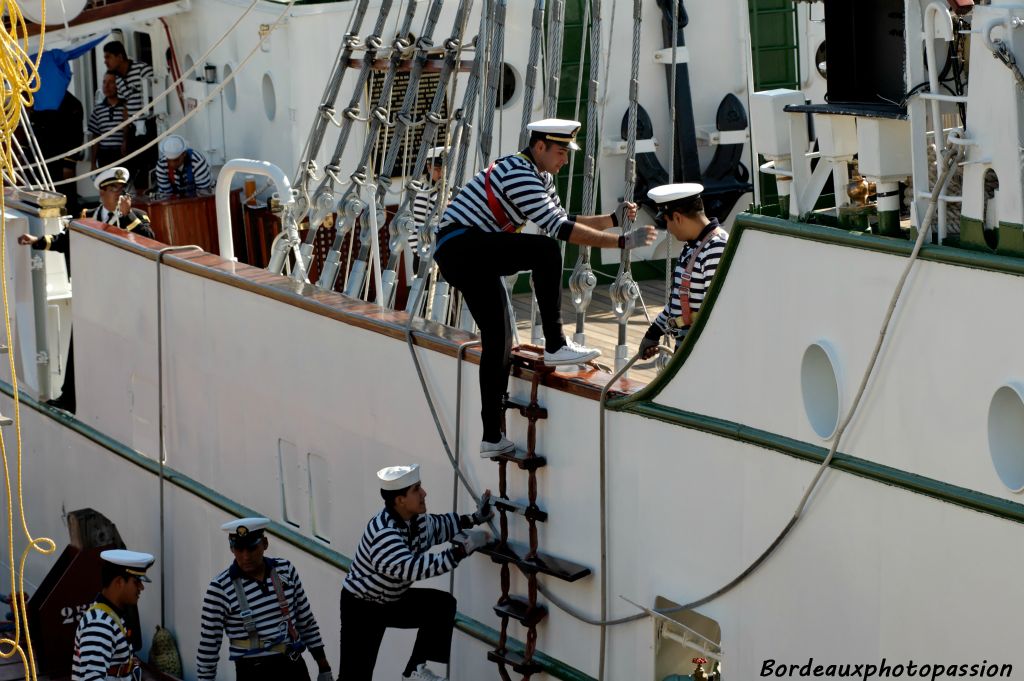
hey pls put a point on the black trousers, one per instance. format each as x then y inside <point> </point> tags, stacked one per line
<point>363,623</point>
<point>271,668</point>
<point>475,262</point>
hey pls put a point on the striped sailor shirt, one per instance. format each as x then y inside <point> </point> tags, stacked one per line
<point>422,207</point>
<point>130,85</point>
<point>101,644</point>
<point>703,271</point>
<point>191,176</point>
<point>393,554</point>
<point>221,614</point>
<point>106,117</point>
<point>525,193</point>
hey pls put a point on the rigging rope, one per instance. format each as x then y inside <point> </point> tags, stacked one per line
<point>172,87</point>
<point>553,59</point>
<point>264,36</point>
<point>20,80</point>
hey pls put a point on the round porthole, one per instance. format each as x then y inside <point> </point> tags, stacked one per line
<point>819,381</point>
<point>230,93</point>
<point>269,97</point>
<point>1006,436</point>
<point>508,86</point>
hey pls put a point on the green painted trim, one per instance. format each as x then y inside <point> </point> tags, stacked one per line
<point>1011,239</point>
<point>467,625</point>
<point>953,494</point>
<point>642,402</point>
<point>959,257</point>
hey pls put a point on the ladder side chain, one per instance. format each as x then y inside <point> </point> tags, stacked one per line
<point>324,200</point>
<point>582,281</point>
<point>326,112</point>
<point>432,122</point>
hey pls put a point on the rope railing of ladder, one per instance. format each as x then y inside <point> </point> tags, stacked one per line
<point>431,123</point>
<point>624,290</point>
<point>326,112</point>
<point>582,281</point>
<point>324,200</point>
<point>380,119</point>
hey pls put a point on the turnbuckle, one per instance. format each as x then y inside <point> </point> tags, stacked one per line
<point>624,293</point>
<point>582,283</point>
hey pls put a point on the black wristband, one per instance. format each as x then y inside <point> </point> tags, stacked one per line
<point>614,215</point>
<point>622,241</point>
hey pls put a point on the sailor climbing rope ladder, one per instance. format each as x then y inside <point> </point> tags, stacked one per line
<point>479,241</point>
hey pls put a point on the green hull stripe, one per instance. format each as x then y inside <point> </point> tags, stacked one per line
<point>960,496</point>
<point>467,625</point>
<point>642,402</point>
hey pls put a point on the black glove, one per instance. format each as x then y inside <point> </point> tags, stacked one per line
<point>471,540</point>
<point>484,509</point>
<point>650,342</point>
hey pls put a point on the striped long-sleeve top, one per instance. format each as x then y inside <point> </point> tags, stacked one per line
<point>393,554</point>
<point>221,614</point>
<point>422,207</point>
<point>105,117</point>
<point>525,193</point>
<point>703,271</point>
<point>101,644</point>
<point>130,88</point>
<point>191,176</point>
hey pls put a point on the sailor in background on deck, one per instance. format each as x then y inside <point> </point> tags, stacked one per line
<point>682,209</point>
<point>479,242</point>
<point>393,553</point>
<point>105,643</point>
<point>261,605</point>
<point>181,170</point>
<point>426,201</point>
<point>115,209</point>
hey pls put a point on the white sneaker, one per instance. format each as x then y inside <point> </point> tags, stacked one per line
<point>502,446</point>
<point>570,353</point>
<point>423,673</point>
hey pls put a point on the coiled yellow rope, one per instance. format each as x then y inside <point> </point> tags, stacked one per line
<point>20,79</point>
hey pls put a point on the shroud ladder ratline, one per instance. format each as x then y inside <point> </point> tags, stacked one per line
<point>528,559</point>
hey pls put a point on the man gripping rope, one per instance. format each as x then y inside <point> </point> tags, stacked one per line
<point>261,605</point>
<point>479,242</point>
<point>393,553</point>
<point>682,209</point>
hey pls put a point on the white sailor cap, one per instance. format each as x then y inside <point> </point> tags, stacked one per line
<point>675,194</point>
<point>557,130</point>
<point>437,154</point>
<point>245,532</point>
<point>111,176</point>
<point>135,563</point>
<point>173,146</point>
<point>399,477</point>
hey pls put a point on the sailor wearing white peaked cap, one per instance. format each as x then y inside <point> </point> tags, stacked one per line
<point>261,607</point>
<point>398,477</point>
<point>558,130</point>
<point>135,563</point>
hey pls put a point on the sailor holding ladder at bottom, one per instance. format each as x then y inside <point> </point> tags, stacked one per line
<point>262,606</point>
<point>104,646</point>
<point>680,206</point>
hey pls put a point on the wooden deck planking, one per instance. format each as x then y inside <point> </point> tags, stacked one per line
<point>600,327</point>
